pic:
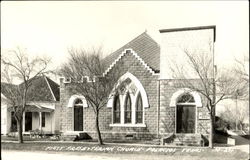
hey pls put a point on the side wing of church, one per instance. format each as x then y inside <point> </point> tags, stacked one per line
<point>149,106</point>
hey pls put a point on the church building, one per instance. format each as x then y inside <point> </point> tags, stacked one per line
<point>150,106</point>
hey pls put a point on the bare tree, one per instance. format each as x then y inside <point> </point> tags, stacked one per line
<point>236,113</point>
<point>85,68</point>
<point>214,85</point>
<point>241,70</point>
<point>17,65</point>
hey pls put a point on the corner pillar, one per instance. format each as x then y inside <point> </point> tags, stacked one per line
<point>40,120</point>
<point>24,121</point>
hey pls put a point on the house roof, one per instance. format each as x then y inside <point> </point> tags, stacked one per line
<point>42,89</point>
<point>146,48</point>
<point>54,88</point>
<point>8,89</point>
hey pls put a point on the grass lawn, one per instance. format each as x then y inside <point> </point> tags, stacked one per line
<point>117,147</point>
<point>27,138</point>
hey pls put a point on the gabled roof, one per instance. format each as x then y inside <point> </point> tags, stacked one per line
<point>54,88</point>
<point>42,89</point>
<point>146,48</point>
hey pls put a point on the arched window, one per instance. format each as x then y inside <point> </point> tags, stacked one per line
<point>128,100</point>
<point>139,109</point>
<point>78,102</point>
<point>78,115</point>
<point>116,110</point>
<point>186,98</point>
<point>127,109</point>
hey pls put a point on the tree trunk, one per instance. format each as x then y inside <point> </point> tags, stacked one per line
<point>241,126</point>
<point>20,130</point>
<point>99,137</point>
<point>211,135</point>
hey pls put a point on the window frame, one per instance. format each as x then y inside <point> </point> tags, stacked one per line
<point>139,99</point>
<point>116,111</point>
<point>127,109</point>
<point>133,100</point>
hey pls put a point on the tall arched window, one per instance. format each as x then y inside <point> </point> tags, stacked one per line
<point>117,110</point>
<point>78,115</point>
<point>139,109</point>
<point>127,109</point>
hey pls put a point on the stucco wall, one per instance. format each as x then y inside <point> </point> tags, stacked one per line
<point>173,45</point>
<point>4,120</point>
<point>5,116</point>
<point>48,122</point>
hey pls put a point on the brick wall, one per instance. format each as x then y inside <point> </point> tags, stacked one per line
<point>128,63</point>
<point>167,113</point>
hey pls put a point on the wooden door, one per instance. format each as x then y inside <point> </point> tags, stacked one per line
<point>78,118</point>
<point>28,121</point>
<point>185,119</point>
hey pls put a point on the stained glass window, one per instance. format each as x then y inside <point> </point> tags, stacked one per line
<point>186,98</point>
<point>139,109</point>
<point>116,109</point>
<point>127,109</point>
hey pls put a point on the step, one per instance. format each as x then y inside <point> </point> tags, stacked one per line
<point>68,137</point>
<point>188,139</point>
<point>167,139</point>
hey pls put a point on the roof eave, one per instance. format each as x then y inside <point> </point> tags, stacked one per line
<point>190,28</point>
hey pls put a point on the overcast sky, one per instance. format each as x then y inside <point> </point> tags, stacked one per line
<point>50,27</point>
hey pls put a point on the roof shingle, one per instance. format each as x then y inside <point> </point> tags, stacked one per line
<point>147,48</point>
<point>38,91</point>
<point>8,89</point>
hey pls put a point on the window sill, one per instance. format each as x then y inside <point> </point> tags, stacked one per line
<point>127,125</point>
